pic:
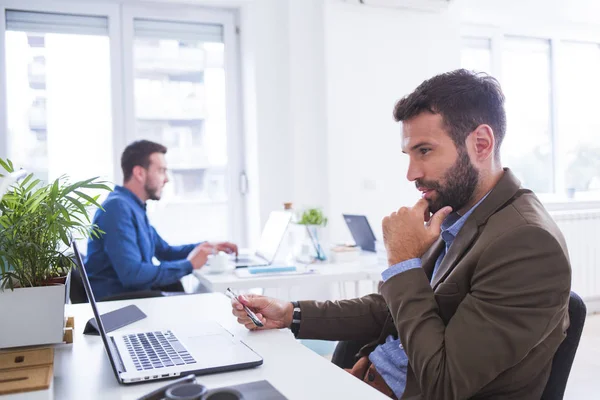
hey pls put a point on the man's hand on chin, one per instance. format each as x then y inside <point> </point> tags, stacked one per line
<point>406,235</point>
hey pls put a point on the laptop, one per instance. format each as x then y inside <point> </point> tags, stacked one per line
<point>270,240</point>
<point>361,231</point>
<point>162,354</point>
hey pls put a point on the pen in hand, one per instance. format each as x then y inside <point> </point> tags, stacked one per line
<point>248,311</point>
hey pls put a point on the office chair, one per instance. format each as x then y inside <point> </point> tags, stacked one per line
<point>77,291</point>
<point>345,352</point>
<point>563,359</point>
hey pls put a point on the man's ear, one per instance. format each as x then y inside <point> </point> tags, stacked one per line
<point>482,142</point>
<point>139,173</point>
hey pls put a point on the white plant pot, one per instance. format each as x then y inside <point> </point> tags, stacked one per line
<point>32,316</point>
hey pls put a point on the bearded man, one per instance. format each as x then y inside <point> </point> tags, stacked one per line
<point>474,303</point>
<point>120,261</point>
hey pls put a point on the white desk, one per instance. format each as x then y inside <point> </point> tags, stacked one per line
<point>82,369</point>
<point>366,268</point>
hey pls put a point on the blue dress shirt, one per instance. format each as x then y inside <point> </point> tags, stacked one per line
<point>121,260</point>
<point>389,358</point>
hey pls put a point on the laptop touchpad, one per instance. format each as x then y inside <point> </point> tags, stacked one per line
<point>210,350</point>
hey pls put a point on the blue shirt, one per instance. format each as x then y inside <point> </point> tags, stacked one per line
<point>121,259</point>
<point>389,358</point>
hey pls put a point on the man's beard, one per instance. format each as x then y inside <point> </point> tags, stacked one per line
<point>152,192</point>
<point>460,183</point>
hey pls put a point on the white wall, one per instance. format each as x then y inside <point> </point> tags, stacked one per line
<point>284,105</point>
<point>375,56</point>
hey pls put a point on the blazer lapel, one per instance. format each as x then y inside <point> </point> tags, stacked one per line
<point>463,241</point>
<point>430,257</point>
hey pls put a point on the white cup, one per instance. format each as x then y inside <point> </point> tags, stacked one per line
<point>218,262</point>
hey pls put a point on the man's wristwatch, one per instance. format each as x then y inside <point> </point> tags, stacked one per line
<point>296,317</point>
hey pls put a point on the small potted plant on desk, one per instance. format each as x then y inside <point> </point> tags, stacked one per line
<point>37,224</point>
<point>314,221</point>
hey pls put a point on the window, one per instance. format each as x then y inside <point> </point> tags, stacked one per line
<point>58,91</point>
<point>85,80</point>
<point>476,54</point>
<point>527,148</point>
<point>578,105</point>
<point>552,140</point>
<point>179,89</point>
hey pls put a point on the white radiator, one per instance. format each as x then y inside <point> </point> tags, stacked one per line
<point>581,229</point>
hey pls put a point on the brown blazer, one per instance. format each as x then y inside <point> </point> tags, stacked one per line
<point>488,324</point>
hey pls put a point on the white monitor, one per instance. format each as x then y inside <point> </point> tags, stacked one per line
<point>272,234</point>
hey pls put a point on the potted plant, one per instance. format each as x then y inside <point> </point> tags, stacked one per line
<point>37,225</point>
<point>314,220</point>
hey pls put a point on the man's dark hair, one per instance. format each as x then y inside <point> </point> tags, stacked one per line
<point>138,153</point>
<point>464,99</point>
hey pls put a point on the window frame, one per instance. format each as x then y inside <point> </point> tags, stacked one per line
<point>556,36</point>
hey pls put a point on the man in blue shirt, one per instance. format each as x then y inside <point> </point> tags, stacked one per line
<point>474,303</point>
<point>121,260</point>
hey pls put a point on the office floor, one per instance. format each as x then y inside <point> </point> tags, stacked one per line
<point>584,382</point>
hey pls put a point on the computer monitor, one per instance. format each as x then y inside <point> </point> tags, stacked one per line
<point>272,235</point>
<point>361,231</point>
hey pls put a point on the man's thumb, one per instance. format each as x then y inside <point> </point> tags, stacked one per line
<point>436,220</point>
<point>250,301</point>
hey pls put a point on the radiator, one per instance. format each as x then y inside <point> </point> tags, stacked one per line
<point>581,229</point>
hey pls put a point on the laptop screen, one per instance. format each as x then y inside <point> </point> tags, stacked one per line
<point>90,295</point>
<point>272,234</point>
<point>361,231</point>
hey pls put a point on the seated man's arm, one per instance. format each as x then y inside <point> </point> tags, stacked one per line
<point>356,319</point>
<point>120,244</point>
<point>164,252</point>
<point>519,295</point>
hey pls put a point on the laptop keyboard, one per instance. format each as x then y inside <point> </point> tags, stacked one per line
<point>153,350</point>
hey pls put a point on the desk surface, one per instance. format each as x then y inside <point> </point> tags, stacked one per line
<point>365,268</point>
<point>82,370</point>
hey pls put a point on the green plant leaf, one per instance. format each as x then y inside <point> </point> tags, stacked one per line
<point>98,185</point>
<point>64,238</point>
<point>32,185</point>
<point>80,206</point>
<point>90,200</point>
<point>27,179</point>
<point>7,165</point>
<point>77,185</point>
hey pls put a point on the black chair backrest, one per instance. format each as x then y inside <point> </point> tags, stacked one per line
<point>563,359</point>
<point>77,291</point>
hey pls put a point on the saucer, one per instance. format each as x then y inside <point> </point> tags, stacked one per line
<point>209,270</point>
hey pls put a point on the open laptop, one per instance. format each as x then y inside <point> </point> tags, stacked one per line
<point>270,240</point>
<point>161,354</point>
<point>361,231</point>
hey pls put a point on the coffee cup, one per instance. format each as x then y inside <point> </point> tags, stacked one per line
<point>218,262</point>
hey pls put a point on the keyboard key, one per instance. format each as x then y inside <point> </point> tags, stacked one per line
<point>178,347</point>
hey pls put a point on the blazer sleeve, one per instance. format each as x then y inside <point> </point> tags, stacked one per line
<point>356,319</point>
<point>519,295</point>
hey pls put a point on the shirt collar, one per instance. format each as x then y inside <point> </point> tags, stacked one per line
<point>454,222</point>
<point>128,193</point>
